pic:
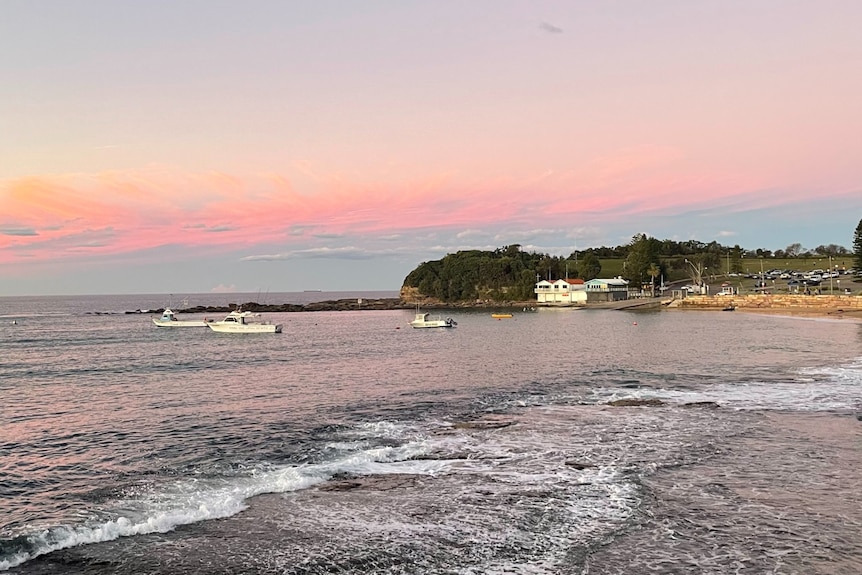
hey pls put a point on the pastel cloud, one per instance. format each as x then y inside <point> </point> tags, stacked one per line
<point>52,216</point>
<point>13,231</point>
<point>347,252</point>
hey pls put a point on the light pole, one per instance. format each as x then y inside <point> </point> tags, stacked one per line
<point>762,281</point>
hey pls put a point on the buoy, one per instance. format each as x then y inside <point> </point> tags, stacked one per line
<point>634,323</point>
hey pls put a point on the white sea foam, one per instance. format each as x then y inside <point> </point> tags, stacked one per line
<point>829,388</point>
<point>495,485</point>
<point>193,500</point>
<point>383,429</point>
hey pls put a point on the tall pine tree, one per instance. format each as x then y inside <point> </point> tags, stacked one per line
<point>643,251</point>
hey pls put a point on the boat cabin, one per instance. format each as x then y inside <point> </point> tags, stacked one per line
<point>168,315</point>
<point>236,317</point>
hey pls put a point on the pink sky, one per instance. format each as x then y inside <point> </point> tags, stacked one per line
<point>298,142</point>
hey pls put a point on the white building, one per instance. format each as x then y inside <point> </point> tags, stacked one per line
<point>561,292</point>
<point>612,289</point>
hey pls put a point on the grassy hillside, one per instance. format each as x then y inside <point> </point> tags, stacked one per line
<point>612,267</point>
<point>509,274</point>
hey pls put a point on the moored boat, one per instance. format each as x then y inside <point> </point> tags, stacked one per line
<point>425,320</point>
<point>244,322</point>
<point>169,319</point>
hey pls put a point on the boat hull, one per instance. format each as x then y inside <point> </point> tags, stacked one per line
<point>243,322</point>
<point>245,328</point>
<point>441,323</point>
<point>426,320</point>
<point>179,323</point>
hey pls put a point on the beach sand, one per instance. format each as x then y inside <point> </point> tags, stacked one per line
<point>807,312</point>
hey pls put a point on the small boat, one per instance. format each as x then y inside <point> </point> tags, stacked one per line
<point>730,307</point>
<point>169,319</point>
<point>243,322</point>
<point>501,315</point>
<point>425,320</point>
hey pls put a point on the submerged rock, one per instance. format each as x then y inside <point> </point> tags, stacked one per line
<point>578,465</point>
<point>706,404</point>
<point>635,402</point>
<point>482,424</point>
<point>376,482</point>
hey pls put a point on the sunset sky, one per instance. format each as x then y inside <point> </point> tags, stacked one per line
<point>176,146</point>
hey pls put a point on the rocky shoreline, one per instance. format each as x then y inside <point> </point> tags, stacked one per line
<point>351,304</point>
<point>825,306</point>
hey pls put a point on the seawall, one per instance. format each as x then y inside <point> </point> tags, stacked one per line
<point>778,302</point>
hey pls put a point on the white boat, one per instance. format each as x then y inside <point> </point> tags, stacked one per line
<point>169,319</point>
<point>244,322</point>
<point>425,320</point>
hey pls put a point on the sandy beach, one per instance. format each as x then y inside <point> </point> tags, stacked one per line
<point>809,312</point>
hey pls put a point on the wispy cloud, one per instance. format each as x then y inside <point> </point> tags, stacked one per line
<point>347,252</point>
<point>467,234</point>
<point>550,28</point>
<point>527,235</point>
<point>122,212</point>
<point>12,231</point>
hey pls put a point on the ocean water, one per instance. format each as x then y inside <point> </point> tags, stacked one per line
<point>352,443</point>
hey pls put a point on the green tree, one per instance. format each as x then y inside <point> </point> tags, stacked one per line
<point>793,250</point>
<point>654,271</point>
<point>643,251</point>
<point>523,289</point>
<point>736,260</point>
<point>589,267</point>
<point>857,247</point>
<point>504,274</point>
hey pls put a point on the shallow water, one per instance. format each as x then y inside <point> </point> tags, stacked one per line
<point>129,449</point>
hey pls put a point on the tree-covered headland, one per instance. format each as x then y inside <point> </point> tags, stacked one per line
<point>510,274</point>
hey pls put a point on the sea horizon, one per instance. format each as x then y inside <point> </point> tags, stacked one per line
<point>124,303</point>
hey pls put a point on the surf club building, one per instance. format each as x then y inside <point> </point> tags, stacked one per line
<point>601,290</point>
<point>561,292</point>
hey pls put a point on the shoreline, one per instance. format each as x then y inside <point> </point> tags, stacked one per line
<point>348,304</point>
<point>837,312</point>
<point>808,313</point>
